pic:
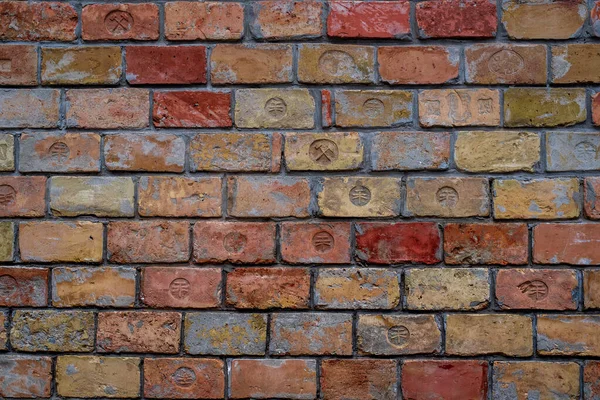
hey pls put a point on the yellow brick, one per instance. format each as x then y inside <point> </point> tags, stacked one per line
<point>323,151</point>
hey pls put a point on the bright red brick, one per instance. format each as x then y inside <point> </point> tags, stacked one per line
<point>358,379</point>
<point>40,21</point>
<point>457,18</point>
<point>312,243</point>
<point>165,64</point>
<point>188,109</point>
<point>120,22</point>
<point>575,244</point>
<point>366,19</point>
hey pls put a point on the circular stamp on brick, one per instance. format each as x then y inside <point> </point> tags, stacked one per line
<point>8,285</point>
<point>506,63</point>
<point>447,197</point>
<point>336,63</point>
<point>373,108</point>
<point>118,22</point>
<point>7,195</point>
<point>276,108</point>
<point>59,152</point>
<point>398,335</point>
<point>179,288</point>
<point>585,151</point>
<point>535,289</point>
<point>184,377</point>
<point>360,195</point>
<point>234,242</point>
<point>322,241</point>
<point>323,151</point>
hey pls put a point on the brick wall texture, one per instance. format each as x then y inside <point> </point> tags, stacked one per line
<point>247,199</point>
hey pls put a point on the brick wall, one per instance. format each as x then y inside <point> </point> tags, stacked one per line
<point>299,200</point>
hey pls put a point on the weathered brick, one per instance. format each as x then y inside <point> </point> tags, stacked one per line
<point>539,289</point>
<point>251,64</point>
<point>211,20</point>
<point>457,18</point>
<point>364,19</point>
<point>591,205</point>
<point>445,379</point>
<point>479,334</point>
<point>191,109</point>
<point>326,108</point>
<point>7,152</point>
<point>395,243</point>
<point>265,288</point>
<point>51,330</point>
<point>286,19</point>
<point>418,65</point>
<point>7,240</point>
<point>301,334</point>
<point>410,151</point>
<point>59,152</point>
<point>54,241</point>
<point>447,197</point>
<point>576,63</point>
<point>569,151</point>
<point>497,151</point>
<point>543,19</point>
<point>138,332</point>
<point>315,243</point>
<point>564,335</point>
<point>23,287</point>
<point>179,196</point>
<point>358,379</point>
<point>373,108</point>
<point>235,242</point>
<point>591,288</point>
<point>18,65</point>
<point>225,333</point>
<point>22,196</point>
<point>120,21</point>
<point>81,65</point>
<point>165,64</point>
<point>180,378</point>
<point>40,21</point>
<point>544,107</point>
<point>156,152</point>
<point>447,289</point>
<point>3,335</point>
<point>574,244</point>
<point>323,151</point>
<point>502,244</point>
<point>92,376</point>
<point>268,197</point>
<point>29,108</point>
<point>357,288</point>
<point>284,379</point>
<point>332,63</point>
<point>181,287</point>
<point>591,380</point>
<point>459,107</point>
<point>100,196</point>
<point>25,376</point>
<point>545,380</point>
<point>398,334</point>
<point>95,286</point>
<point>491,64</point>
<point>359,197</point>
<point>274,108</point>
<point>116,108</point>
<point>148,241</point>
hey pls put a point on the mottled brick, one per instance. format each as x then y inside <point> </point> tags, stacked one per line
<point>457,18</point>
<point>18,65</point>
<point>591,205</point>
<point>331,63</point>
<point>40,21</point>
<point>191,109</point>
<point>286,19</point>
<point>591,288</point>
<point>591,380</point>
<point>418,65</point>
<point>29,108</point>
<point>165,65</point>
<point>22,196</point>
<point>120,21</point>
<point>318,243</point>
<point>25,376</point>
<point>576,63</point>
<point>7,241</point>
<point>544,107</point>
<point>359,379</point>
<point>364,19</point>
<point>570,151</point>
<point>274,108</point>
<point>459,107</point>
<point>410,151</point>
<point>564,335</point>
<point>144,152</point>
<point>81,65</point>
<point>373,108</point>
<point>574,244</point>
<point>23,287</point>
<point>7,152</point>
<point>251,64</point>
<point>211,20</point>
<point>180,378</point>
<point>543,19</point>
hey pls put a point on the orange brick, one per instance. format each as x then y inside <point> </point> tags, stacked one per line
<point>246,64</point>
<point>286,19</point>
<point>575,244</point>
<point>209,20</point>
<point>359,379</point>
<point>148,152</point>
<point>422,65</point>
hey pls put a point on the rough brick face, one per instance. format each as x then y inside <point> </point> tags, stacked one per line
<point>363,19</point>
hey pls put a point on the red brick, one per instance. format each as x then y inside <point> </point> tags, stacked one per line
<point>18,65</point>
<point>394,243</point>
<point>486,243</point>
<point>596,109</point>
<point>326,108</point>
<point>287,379</point>
<point>23,287</point>
<point>315,243</point>
<point>254,63</point>
<point>189,109</point>
<point>447,379</point>
<point>138,332</point>
<point>592,202</point>
<point>43,21</point>
<point>591,380</point>
<point>25,376</point>
<point>149,152</point>
<point>3,330</point>
<point>120,22</point>
<point>425,65</point>
<point>211,20</point>
<point>286,19</point>
<point>165,64</point>
<point>181,287</point>
<point>575,244</point>
<point>148,241</point>
<point>181,378</point>
<point>457,18</point>
<point>235,242</point>
<point>539,289</point>
<point>265,288</point>
<point>358,379</point>
<point>22,196</point>
<point>365,19</point>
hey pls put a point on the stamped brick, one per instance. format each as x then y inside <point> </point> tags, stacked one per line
<point>364,19</point>
<point>22,196</point>
<point>564,335</point>
<point>138,332</point>
<point>543,19</point>
<point>179,196</point>
<point>7,152</point>
<point>359,379</point>
<point>274,108</point>
<point>417,65</point>
<point>392,335</point>
<point>301,334</point>
<point>286,19</point>
<point>25,376</point>
<point>95,287</point>
<point>357,288</point>
<point>571,151</point>
<point>18,65</point>
<point>332,63</point>
<point>81,65</point>
<point>410,151</point>
<point>323,151</point>
<point>211,20</point>
<point>181,287</point>
<point>373,108</point>
<point>148,241</point>
<point>265,288</point>
<point>59,152</point>
<point>539,289</point>
<point>591,288</point>
<point>165,65</point>
<point>544,107</point>
<point>156,152</point>
<point>39,21</point>
<point>251,64</point>
<point>23,287</point>
<point>522,380</point>
<point>457,18</point>
<point>591,205</point>
<point>29,108</point>
<point>192,109</point>
<point>574,244</point>
<point>576,63</point>
<point>7,241</point>
<point>120,21</point>
<point>315,243</point>
<point>180,378</point>
<point>459,107</point>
